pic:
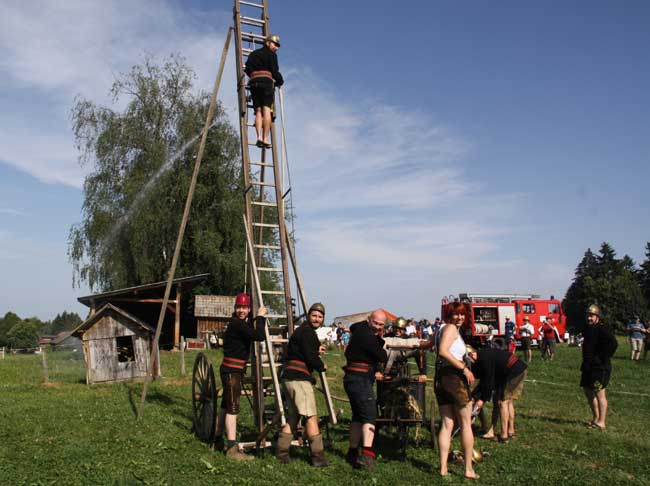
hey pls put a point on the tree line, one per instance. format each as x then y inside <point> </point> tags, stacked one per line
<point>618,285</point>
<point>25,333</point>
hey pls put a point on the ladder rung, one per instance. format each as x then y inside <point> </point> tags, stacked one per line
<point>251,4</point>
<point>273,292</point>
<point>266,225</point>
<point>251,21</point>
<point>253,36</point>
<point>267,365</point>
<point>261,164</point>
<point>270,269</point>
<point>258,183</point>
<point>267,247</point>
<point>276,316</point>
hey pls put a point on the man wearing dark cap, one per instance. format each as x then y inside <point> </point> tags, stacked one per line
<point>264,74</point>
<point>242,330</point>
<point>363,355</point>
<point>302,359</point>
<point>598,347</point>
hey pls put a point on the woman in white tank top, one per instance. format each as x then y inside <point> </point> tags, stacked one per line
<point>453,378</point>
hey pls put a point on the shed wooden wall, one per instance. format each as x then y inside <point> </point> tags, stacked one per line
<point>101,348</point>
<point>207,325</point>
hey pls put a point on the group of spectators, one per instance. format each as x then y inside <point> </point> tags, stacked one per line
<point>422,329</point>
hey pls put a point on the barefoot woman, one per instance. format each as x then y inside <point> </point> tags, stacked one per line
<point>453,378</point>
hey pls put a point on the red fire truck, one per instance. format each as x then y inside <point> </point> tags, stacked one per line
<point>488,312</point>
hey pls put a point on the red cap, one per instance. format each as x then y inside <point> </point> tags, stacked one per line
<point>243,299</point>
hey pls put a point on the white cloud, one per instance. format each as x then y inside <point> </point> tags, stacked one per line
<point>57,50</point>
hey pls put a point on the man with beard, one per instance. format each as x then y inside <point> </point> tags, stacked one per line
<point>363,354</point>
<point>303,358</point>
<point>242,330</point>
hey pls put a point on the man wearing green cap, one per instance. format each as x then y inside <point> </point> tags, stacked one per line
<point>303,358</point>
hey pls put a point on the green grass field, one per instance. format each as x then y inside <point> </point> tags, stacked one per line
<point>68,433</point>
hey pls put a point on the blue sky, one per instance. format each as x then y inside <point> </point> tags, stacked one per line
<point>435,147</point>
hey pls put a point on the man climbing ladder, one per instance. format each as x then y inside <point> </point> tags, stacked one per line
<point>263,73</point>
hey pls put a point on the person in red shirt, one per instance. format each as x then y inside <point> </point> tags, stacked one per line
<point>547,333</point>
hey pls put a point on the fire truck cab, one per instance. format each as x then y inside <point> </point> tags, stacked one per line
<point>488,312</point>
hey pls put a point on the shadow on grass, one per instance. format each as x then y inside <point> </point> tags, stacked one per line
<point>554,420</point>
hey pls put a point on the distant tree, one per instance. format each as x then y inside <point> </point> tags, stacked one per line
<point>609,282</point>
<point>25,334</point>
<point>9,320</point>
<point>643,275</point>
<point>124,151</point>
<point>66,321</point>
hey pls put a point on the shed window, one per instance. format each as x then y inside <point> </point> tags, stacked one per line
<point>125,351</point>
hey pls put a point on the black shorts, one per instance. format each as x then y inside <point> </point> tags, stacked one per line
<point>262,92</point>
<point>362,398</point>
<point>596,379</point>
<point>548,343</point>
<point>525,343</point>
<point>231,383</point>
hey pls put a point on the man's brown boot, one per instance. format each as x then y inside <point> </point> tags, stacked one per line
<point>234,453</point>
<point>317,451</point>
<point>282,447</point>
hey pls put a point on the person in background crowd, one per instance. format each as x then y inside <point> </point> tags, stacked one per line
<point>436,333</point>
<point>525,332</point>
<point>547,333</point>
<point>427,329</point>
<point>510,334</point>
<point>452,382</point>
<point>636,331</point>
<point>598,347</point>
<point>411,331</point>
<point>339,336</point>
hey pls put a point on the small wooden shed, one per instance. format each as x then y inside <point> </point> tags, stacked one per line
<point>116,345</point>
<point>212,314</point>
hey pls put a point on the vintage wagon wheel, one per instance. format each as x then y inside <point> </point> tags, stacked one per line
<point>204,399</point>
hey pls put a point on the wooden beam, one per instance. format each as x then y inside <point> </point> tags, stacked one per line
<point>142,301</point>
<point>177,319</point>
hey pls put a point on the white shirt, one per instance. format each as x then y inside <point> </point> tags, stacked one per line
<point>526,330</point>
<point>410,330</point>
<point>457,348</point>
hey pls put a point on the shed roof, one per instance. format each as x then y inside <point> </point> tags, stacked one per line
<point>185,281</point>
<point>88,323</point>
<point>213,305</point>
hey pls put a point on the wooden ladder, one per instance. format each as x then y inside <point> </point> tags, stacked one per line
<point>268,244</point>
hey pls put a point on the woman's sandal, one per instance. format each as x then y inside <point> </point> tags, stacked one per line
<point>502,440</point>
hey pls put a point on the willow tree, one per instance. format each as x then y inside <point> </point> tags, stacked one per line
<point>139,154</point>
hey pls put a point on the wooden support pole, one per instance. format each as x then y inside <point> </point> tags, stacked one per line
<point>46,374</point>
<point>182,355</point>
<point>186,213</point>
<point>2,352</point>
<point>177,318</point>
